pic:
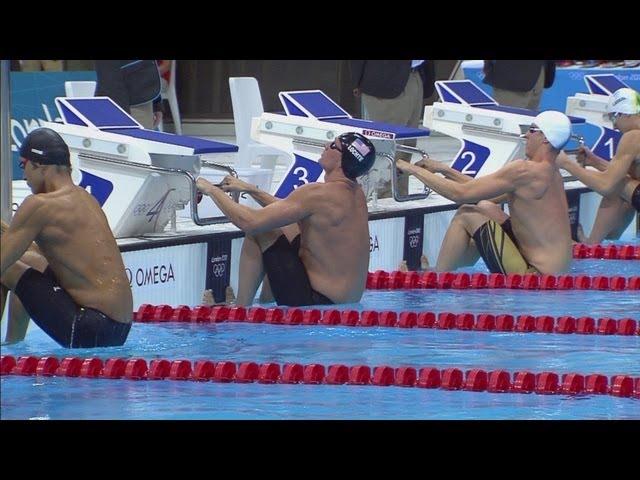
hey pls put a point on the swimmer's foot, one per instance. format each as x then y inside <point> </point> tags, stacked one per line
<point>229,297</point>
<point>424,263</point>
<point>207,298</point>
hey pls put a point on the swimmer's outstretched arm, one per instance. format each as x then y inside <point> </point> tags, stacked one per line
<point>233,184</point>
<point>611,180</point>
<point>436,166</point>
<point>505,180</point>
<point>297,206</point>
<point>439,167</point>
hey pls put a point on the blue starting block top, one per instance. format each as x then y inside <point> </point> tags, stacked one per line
<point>524,111</point>
<point>311,104</point>
<point>96,112</point>
<point>104,114</point>
<point>199,145</point>
<point>379,129</point>
<point>465,92</point>
<point>604,84</point>
<point>316,104</point>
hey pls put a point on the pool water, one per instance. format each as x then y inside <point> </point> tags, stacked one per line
<point>79,398</point>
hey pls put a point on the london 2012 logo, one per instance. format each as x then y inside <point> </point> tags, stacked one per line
<point>219,265</point>
<point>414,237</point>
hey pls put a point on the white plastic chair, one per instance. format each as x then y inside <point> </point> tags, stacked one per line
<point>170,95</point>
<point>247,103</point>
<point>79,89</point>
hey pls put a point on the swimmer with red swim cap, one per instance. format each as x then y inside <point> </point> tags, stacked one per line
<point>73,285</point>
<point>312,245</point>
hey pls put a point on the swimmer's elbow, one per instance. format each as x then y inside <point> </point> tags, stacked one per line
<point>462,195</point>
<point>246,222</point>
<point>608,188</point>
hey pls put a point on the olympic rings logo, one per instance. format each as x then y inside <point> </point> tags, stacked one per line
<point>140,209</point>
<point>414,240</point>
<point>219,269</point>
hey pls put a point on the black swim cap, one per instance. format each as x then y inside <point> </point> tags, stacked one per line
<point>45,146</point>
<point>358,154</point>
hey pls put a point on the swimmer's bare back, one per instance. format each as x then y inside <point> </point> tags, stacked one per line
<point>78,244</point>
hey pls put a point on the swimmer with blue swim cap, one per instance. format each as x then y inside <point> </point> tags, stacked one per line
<point>313,245</point>
<point>74,284</point>
<point>618,180</point>
<point>535,237</point>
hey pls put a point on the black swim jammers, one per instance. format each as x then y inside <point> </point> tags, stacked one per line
<point>69,324</point>
<point>635,199</point>
<point>288,276</point>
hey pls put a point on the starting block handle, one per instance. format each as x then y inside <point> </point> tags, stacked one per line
<point>176,171</point>
<point>394,180</point>
<point>580,140</point>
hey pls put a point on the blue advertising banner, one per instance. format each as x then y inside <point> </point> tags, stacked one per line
<point>32,102</point>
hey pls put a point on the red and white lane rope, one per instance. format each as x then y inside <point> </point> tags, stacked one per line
<point>353,318</point>
<point>606,252</point>
<point>397,280</point>
<point>477,380</point>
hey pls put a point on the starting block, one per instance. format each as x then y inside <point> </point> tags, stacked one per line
<point>140,177</point>
<point>489,133</point>
<point>311,120</point>
<point>592,107</point>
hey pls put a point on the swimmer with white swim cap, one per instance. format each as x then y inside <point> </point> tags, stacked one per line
<point>619,180</point>
<point>74,285</point>
<point>536,237</point>
<point>313,245</point>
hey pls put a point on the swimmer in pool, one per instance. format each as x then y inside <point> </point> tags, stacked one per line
<point>536,237</point>
<point>617,181</point>
<point>313,245</point>
<point>74,285</point>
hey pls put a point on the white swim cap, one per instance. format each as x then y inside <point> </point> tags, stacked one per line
<point>556,126</point>
<point>624,100</point>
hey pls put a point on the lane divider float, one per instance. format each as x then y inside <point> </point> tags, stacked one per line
<point>477,380</point>
<point>564,324</point>
<point>398,280</point>
<point>606,252</point>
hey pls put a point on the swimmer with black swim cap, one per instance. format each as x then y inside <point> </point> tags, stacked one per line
<point>46,147</point>
<point>74,286</point>
<point>358,154</point>
<point>294,240</point>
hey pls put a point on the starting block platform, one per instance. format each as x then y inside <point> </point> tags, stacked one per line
<point>600,136</point>
<point>140,177</point>
<point>489,133</point>
<point>311,121</point>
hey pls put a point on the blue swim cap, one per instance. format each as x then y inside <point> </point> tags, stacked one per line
<point>358,154</point>
<point>45,146</point>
